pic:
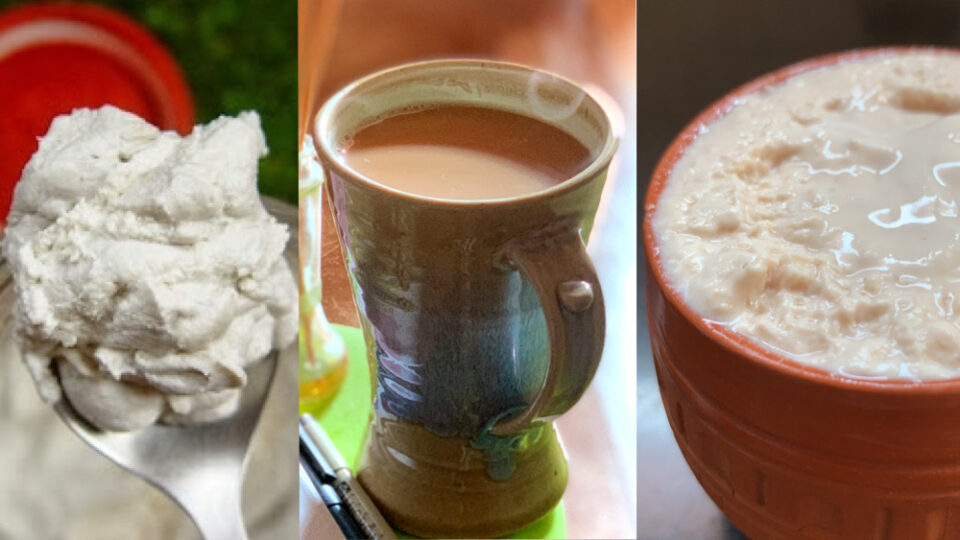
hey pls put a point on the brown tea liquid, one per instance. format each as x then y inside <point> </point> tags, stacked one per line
<point>465,153</point>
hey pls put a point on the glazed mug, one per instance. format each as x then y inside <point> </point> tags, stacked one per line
<point>483,319</point>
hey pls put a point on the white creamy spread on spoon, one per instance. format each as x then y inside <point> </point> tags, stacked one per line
<point>820,218</point>
<point>147,272</point>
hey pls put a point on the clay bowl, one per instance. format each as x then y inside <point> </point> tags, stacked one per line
<point>787,450</point>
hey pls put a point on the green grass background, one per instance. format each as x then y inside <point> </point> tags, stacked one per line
<point>236,56</point>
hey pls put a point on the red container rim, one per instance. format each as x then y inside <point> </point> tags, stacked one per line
<point>90,35</point>
<point>38,24</point>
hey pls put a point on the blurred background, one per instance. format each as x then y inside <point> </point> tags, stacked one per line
<point>691,52</point>
<point>236,55</point>
<point>210,58</point>
<point>592,42</point>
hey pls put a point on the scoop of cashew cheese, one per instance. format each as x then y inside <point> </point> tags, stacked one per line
<point>147,272</point>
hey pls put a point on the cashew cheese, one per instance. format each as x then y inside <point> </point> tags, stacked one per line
<point>147,272</point>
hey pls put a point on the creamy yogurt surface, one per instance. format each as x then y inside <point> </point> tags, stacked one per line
<point>820,218</point>
<point>147,272</point>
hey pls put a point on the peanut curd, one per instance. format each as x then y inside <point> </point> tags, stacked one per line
<point>820,218</point>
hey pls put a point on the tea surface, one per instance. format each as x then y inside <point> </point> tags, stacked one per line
<point>465,153</point>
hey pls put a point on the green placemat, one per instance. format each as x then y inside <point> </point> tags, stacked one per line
<point>345,419</point>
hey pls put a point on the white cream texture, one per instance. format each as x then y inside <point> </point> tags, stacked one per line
<point>820,218</point>
<point>147,272</point>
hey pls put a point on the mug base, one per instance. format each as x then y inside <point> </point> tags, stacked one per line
<point>440,487</point>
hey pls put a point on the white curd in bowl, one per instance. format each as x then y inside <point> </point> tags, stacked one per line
<point>820,218</point>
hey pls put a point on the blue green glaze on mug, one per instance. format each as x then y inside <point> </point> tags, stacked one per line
<point>457,336</point>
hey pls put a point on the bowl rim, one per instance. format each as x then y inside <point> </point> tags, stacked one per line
<point>728,339</point>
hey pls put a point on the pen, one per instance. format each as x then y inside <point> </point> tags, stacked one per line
<point>347,486</point>
<point>322,476</point>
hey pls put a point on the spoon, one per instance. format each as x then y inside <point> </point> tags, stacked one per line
<point>199,466</point>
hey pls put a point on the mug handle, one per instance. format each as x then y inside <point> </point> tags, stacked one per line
<point>556,263</point>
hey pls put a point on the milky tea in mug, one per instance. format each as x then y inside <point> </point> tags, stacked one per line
<point>464,152</point>
<point>463,192</point>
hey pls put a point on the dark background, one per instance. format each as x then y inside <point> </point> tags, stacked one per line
<point>694,51</point>
<point>691,52</point>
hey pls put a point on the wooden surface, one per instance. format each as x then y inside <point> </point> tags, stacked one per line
<point>593,43</point>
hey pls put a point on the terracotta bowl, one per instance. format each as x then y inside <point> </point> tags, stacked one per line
<point>788,450</point>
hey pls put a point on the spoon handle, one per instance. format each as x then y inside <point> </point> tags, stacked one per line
<point>216,511</point>
<point>222,527</point>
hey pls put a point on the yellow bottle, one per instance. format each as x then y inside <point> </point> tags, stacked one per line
<point>323,355</point>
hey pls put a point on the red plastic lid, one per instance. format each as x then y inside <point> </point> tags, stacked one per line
<point>58,57</point>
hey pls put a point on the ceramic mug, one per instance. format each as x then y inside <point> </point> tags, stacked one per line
<point>483,319</point>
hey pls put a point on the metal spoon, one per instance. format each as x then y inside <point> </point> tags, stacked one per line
<point>199,466</point>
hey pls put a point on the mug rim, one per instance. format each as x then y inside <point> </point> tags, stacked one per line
<point>734,342</point>
<point>327,148</point>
